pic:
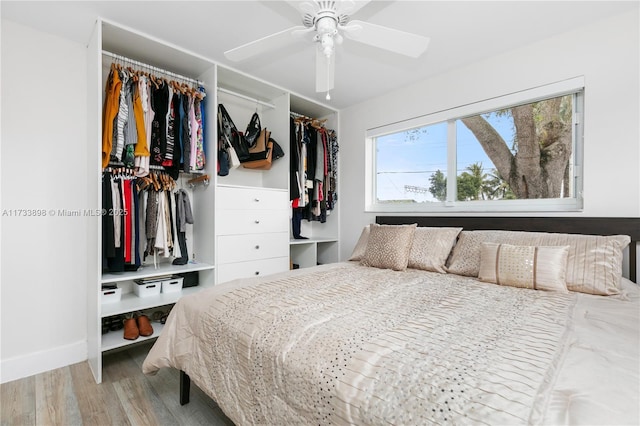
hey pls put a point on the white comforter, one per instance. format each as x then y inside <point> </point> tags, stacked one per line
<point>348,344</point>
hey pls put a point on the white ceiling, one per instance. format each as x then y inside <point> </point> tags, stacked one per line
<point>461,32</point>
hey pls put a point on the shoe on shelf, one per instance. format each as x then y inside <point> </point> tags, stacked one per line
<point>115,322</point>
<point>131,331</point>
<point>144,325</point>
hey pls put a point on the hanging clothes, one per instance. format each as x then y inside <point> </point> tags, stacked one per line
<point>160,104</point>
<point>183,216</point>
<point>110,112</point>
<point>142,162</point>
<point>119,230</point>
<point>199,139</point>
<point>313,165</point>
<point>139,110</point>
<point>152,129</point>
<point>294,188</point>
<point>150,122</point>
<point>141,212</point>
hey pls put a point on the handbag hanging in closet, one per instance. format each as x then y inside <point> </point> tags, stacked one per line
<point>263,163</point>
<point>264,160</point>
<point>259,150</point>
<point>231,135</point>
<point>253,130</point>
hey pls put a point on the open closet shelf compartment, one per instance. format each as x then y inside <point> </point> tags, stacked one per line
<point>114,340</point>
<point>130,302</point>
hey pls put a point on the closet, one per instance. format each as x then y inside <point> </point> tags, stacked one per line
<point>135,52</point>
<point>321,243</point>
<point>241,222</point>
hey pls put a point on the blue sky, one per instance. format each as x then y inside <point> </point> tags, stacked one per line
<point>410,158</point>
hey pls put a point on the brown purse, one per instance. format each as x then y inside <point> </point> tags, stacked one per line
<point>259,150</point>
<point>262,163</point>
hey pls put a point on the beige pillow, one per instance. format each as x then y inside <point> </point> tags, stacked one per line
<point>388,246</point>
<point>361,245</point>
<point>431,247</point>
<point>594,264</point>
<point>533,267</point>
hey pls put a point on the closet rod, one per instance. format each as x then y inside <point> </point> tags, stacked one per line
<point>297,115</point>
<point>314,121</point>
<point>245,97</point>
<point>151,67</point>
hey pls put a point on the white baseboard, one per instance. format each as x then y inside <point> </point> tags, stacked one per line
<point>39,362</point>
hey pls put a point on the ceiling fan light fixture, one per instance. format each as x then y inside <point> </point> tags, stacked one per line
<point>326,45</point>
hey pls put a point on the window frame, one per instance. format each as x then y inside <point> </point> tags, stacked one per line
<point>573,86</point>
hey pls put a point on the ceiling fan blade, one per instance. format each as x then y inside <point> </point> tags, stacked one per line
<point>262,45</point>
<point>350,7</point>
<point>401,42</point>
<point>325,70</point>
<point>298,33</point>
<point>302,6</point>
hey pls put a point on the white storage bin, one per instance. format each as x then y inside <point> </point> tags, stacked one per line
<point>110,295</point>
<point>146,288</point>
<point>173,285</point>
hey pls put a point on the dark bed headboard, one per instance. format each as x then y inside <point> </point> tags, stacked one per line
<point>567,225</point>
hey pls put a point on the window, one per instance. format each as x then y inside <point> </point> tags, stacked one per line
<point>520,152</point>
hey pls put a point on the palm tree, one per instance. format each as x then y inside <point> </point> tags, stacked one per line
<point>497,188</point>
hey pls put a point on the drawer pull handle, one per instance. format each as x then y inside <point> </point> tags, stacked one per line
<point>257,247</point>
<point>257,200</point>
<point>257,221</point>
<point>257,272</point>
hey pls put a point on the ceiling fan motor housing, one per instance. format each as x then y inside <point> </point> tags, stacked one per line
<point>326,20</point>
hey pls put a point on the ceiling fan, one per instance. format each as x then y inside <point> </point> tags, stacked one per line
<point>328,21</point>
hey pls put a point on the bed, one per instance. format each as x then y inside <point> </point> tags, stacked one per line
<point>450,338</point>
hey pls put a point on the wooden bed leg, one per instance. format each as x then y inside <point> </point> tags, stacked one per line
<point>185,387</point>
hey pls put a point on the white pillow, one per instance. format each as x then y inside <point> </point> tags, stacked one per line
<point>533,267</point>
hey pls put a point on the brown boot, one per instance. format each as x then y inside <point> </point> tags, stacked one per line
<point>144,325</point>
<point>131,329</point>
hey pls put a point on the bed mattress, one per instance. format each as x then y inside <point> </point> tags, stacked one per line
<point>350,344</point>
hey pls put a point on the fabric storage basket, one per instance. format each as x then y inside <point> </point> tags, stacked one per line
<point>144,288</point>
<point>110,295</point>
<point>173,285</point>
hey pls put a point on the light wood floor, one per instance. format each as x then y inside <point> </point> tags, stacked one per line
<point>69,396</point>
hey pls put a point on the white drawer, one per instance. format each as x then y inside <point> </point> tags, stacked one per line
<point>230,222</point>
<point>252,199</point>
<point>239,248</point>
<point>231,271</point>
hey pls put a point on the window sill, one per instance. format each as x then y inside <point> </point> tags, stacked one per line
<point>496,206</point>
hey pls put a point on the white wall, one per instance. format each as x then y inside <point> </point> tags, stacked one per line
<point>43,286</point>
<point>605,53</point>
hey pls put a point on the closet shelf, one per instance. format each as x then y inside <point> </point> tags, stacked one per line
<point>150,271</point>
<point>312,240</point>
<point>131,303</point>
<point>114,340</point>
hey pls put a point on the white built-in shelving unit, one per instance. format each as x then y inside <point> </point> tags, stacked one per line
<point>242,221</point>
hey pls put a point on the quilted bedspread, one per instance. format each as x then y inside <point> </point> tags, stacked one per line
<point>349,344</point>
